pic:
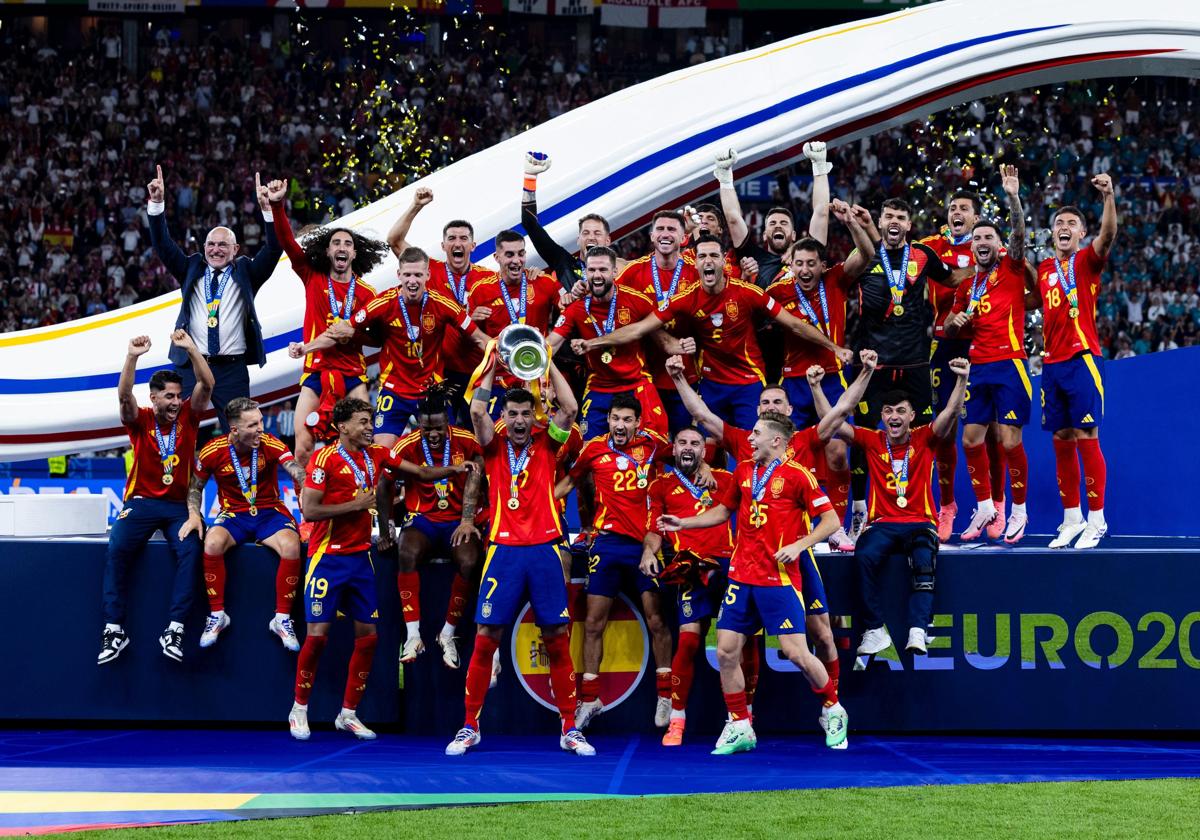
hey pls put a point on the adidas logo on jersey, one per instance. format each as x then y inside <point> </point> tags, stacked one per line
<point>787,625</point>
<point>1087,418</point>
<point>1012,415</point>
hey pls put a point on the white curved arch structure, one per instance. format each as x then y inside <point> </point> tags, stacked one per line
<point>633,152</point>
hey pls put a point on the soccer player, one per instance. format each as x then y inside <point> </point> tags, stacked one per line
<point>622,464</point>
<point>678,492</point>
<point>340,498</point>
<point>953,244</point>
<point>720,313</point>
<point>245,464</point>
<point>993,303</point>
<point>1073,372</point>
<point>163,437</point>
<point>659,277</point>
<point>782,513</point>
<point>331,265</point>
<point>452,277</point>
<point>440,521</point>
<point>893,321</point>
<point>522,556</point>
<point>610,372</point>
<point>414,321</point>
<point>900,459</point>
<point>779,228</point>
<point>513,296</point>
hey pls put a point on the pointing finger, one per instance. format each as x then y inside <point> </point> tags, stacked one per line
<point>159,168</point>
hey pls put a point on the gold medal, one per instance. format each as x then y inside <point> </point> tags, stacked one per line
<point>897,310</point>
<point>254,510</point>
<point>168,479</point>
<point>212,322</point>
<point>902,501</point>
<point>513,503</point>
<point>641,483</point>
<point>1073,312</point>
<point>443,504</point>
<point>606,357</point>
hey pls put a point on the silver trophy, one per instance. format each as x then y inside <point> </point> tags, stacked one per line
<point>523,350</point>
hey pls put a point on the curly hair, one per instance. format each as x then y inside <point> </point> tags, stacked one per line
<point>368,252</point>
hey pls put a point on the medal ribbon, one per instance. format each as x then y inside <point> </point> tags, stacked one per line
<point>806,307</point>
<point>642,470</point>
<point>341,314</point>
<point>896,286</point>
<point>442,485</point>
<point>249,490</point>
<point>414,333</point>
<point>516,465</point>
<point>515,314</point>
<point>358,474</point>
<point>979,286</point>
<point>902,475</point>
<point>166,448</point>
<point>661,296</point>
<point>610,321</point>
<point>756,486</point>
<point>212,299</point>
<point>457,287</point>
<point>699,494</point>
<point>1068,279</point>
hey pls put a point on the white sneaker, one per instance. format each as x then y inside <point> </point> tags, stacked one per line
<point>585,713</point>
<point>413,647</point>
<point>573,741</point>
<point>1067,532</point>
<point>874,641</point>
<point>347,721</point>
<point>662,712</point>
<point>212,629</point>
<point>495,678</point>
<point>286,631</point>
<point>858,521</point>
<point>1016,527</point>
<point>1091,535</point>
<point>463,741</point>
<point>916,640</point>
<point>449,646</point>
<point>298,722</point>
<point>980,520</point>
<point>840,541</point>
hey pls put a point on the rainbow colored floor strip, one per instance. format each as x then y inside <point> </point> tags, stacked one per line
<point>58,780</point>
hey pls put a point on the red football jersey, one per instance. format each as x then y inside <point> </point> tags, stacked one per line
<point>805,447</point>
<point>881,506</point>
<point>329,472</point>
<point>460,353</point>
<point>318,315</point>
<point>423,497</point>
<point>639,276</point>
<point>538,519</point>
<point>799,355</point>
<point>407,367</point>
<point>669,495</point>
<point>214,460</point>
<point>723,325</point>
<point>1066,337</point>
<point>791,501</point>
<point>628,363</point>
<point>941,296</point>
<point>620,502</point>
<point>999,316</point>
<point>146,472</point>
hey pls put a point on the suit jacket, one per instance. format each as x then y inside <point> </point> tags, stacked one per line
<point>248,274</point>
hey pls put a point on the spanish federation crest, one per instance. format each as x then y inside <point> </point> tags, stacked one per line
<point>687,609</point>
<point>485,609</point>
<point>317,608</point>
<point>777,486</point>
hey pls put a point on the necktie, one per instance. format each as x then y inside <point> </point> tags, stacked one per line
<point>214,333</point>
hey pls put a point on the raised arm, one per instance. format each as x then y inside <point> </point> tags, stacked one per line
<point>280,226</point>
<point>568,406</point>
<point>833,420</point>
<point>397,236</point>
<point>1016,213</point>
<point>550,251</point>
<point>1108,219</point>
<point>138,346</point>
<point>692,401</point>
<point>864,249</point>
<point>735,222</point>
<point>262,265</point>
<point>205,381</point>
<point>481,420</point>
<point>943,424</point>
<point>818,226</point>
<point>173,259</point>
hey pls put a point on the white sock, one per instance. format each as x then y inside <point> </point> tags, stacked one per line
<point>662,670</point>
<point>1096,518</point>
<point>300,707</point>
<point>448,629</point>
<point>678,714</point>
<point>177,626</point>
<point>218,613</point>
<point>412,628</point>
<point>987,506</point>
<point>348,712</point>
<point>281,616</point>
<point>116,628</point>
<point>1072,516</point>
<point>1018,508</point>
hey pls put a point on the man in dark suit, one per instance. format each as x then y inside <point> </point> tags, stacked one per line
<point>218,290</point>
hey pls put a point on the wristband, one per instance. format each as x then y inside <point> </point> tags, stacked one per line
<point>530,183</point>
<point>482,395</point>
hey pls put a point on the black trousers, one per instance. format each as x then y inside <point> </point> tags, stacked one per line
<point>233,380</point>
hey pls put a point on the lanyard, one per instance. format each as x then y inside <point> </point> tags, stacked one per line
<point>516,466</point>
<point>166,448</point>
<point>756,486</point>
<point>664,297</point>
<point>515,314</point>
<point>1068,279</point>
<point>212,298</point>
<point>341,314</point>
<point>610,321</point>
<point>896,280</point>
<point>442,484</point>
<point>979,288</point>
<point>249,489</point>
<point>459,288</point>
<point>413,332</point>
<point>358,474</point>
<point>902,475</point>
<point>699,494</point>
<point>806,307</point>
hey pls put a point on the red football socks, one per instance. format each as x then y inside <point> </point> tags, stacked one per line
<point>946,454</point>
<point>736,704</point>
<point>286,578</point>
<point>750,664</point>
<point>839,491</point>
<point>460,594</point>
<point>834,667</point>
<point>828,693</point>
<point>360,669</point>
<point>1066,462</point>
<point>589,689</point>
<point>409,584</point>
<point>1018,473</point>
<point>306,666</point>
<point>479,675</point>
<point>562,677</point>
<point>214,581</point>
<point>996,469</point>
<point>1095,471</point>
<point>683,669</point>
<point>662,682</point>
<point>978,470</point>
